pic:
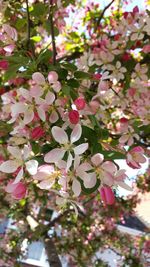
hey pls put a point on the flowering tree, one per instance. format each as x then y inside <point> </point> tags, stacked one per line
<point>74,99</point>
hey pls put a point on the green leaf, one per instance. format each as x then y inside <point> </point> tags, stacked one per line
<point>66,90</point>
<point>39,9</point>
<point>88,191</point>
<point>69,66</point>
<point>81,75</point>
<point>73,83</point>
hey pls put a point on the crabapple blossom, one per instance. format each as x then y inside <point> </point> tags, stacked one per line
<point>61,137</point>
<point>135,157</point>
<point>20,159</point>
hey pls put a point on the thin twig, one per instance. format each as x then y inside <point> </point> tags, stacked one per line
<point>52,30</point>
<point>28,25</point>
<point>102,14</point>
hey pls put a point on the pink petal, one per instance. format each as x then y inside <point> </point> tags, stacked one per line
<point>41,113</point>
<point>57,87</point>
<point>53,117</point>
<point>90,180</point>
<point>59,135</point>
<point>76,187</point>
<point>97,159</point>
<point>36,91</point>
<point>109,167</point>
<point>38,78</point>
<point>52,77</point>
<point>78,150</point>
<point>28,116</point>
<point>46,184</point>
<point>69,161</point>
<point>54,155</point>
<point>14,151</point>
<point>50,97</point>
<point>76,133</point>
<point>124,185</point>
<point>19,176</point>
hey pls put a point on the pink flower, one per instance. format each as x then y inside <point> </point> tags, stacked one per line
<point>80,103</point>
<point>74,116</point>
<point>17,190</point>
<point>104,170</point>
<point>107,195</point>
<point>46,175</point>
<point>37,133</point>
<point>135,157</point>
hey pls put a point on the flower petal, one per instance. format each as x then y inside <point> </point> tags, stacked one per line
<point>53,117</point>
<point>54,155</point>
<point>76,187</point>
<point>97,159</point>
<point>19,176</point>
<point>41,113</point>
<point>59,135</point>
<point>32,166</point>
<point>76,133</point>
<point>78,150</point>
<point>109,167</point>
<point>69,161</point>
<point>28,116</point>
<point>38,78</point>
<point>90,180</point>
<point>14,151</point>
<point>124,185</point>
<point>9,166</point>
<point>50,97</point>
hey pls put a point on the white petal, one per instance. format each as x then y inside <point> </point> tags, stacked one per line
<point>47,184</point>
<point>50,97</point>
<point>76,187</point>
<point>109,167</point>
<point>26,152</point>
<point>19,176</point>
<point>41,113</point>
<point>124,185</point>
<point>9,166</point>
<point>76,162</point>
<point>18,108</point>
<point>59,135</point>
<point>28,116</point>
<point>78,150</point>
<point>32,166</point>
<point>69,161</point>
<point>54,155</point>
<point>76,133</point>
<point>53,117</point>
<point>97,159</point>
<point>90,180</point>
<point>25,93</point>
<point>14,151</point>
<point>38,78</point>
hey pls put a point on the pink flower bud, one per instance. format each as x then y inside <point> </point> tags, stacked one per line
<point>17,190</point>
<point>3,64</point>
<point>107,195</point>
<point>80,103</point>
<point>37,133</point>
<point>74,116</point>
<point>135,10</point>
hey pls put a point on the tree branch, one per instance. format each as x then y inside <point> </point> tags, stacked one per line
<point>28,25</point>
<point>52,255</point>
<point>102,14</point>
<point>52,31</point>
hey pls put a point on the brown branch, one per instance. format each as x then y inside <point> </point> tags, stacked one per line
<point>51,252</point>
<point>102,14</point>
<point>52,30</point>
<point>28,25</point>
